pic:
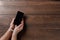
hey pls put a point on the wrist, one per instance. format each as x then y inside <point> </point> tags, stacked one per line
<point>14,34</point>
<point>10,29</point>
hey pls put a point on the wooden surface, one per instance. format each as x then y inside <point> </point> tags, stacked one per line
<point>43,18</point>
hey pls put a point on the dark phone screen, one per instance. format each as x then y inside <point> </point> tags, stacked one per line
<point>18,18</point>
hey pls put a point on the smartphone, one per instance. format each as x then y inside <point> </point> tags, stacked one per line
<point>18,18</point>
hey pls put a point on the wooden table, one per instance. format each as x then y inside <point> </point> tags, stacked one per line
<point>43,18</point>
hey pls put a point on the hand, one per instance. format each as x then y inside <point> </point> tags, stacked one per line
<point>12,26</point>
<point>18,28</point>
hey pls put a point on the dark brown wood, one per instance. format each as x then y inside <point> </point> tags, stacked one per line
<point>42,18</point>
<point>37,20</point>
<point>37,33</point>
<point>29,0</point>
<point>30,7</point>
<point>38,26</point>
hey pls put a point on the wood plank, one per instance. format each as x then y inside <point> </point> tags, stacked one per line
<point>38,34</point>
<point>42,34</point>
<point>39,27</point>
<point>43,18</point>
<point>20,3</point>
<point>42,21</point>
<point>29,7</point>
<point>29,0</point>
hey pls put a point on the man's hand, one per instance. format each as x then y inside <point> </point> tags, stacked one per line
<point>12,26</point>
<point>18,28</point>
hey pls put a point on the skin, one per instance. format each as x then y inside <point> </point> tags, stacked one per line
<point>16,30</point>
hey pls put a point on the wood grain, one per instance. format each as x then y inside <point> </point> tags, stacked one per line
<point>42,18</point>
<point>29,7</point>
<point>29,0</point>
<point>41,21</point>
<point>38,34</point>
<point>42,34</point>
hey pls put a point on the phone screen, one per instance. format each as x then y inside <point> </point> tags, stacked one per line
<point>18,18</point>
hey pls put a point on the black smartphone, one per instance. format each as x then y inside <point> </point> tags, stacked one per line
<point>18,18</point>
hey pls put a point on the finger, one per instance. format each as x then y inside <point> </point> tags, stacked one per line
<point>22,22</point>
<point>15,25</point>
<point>12,20</point>
<point>20,25</point>
<point>20,28</point>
